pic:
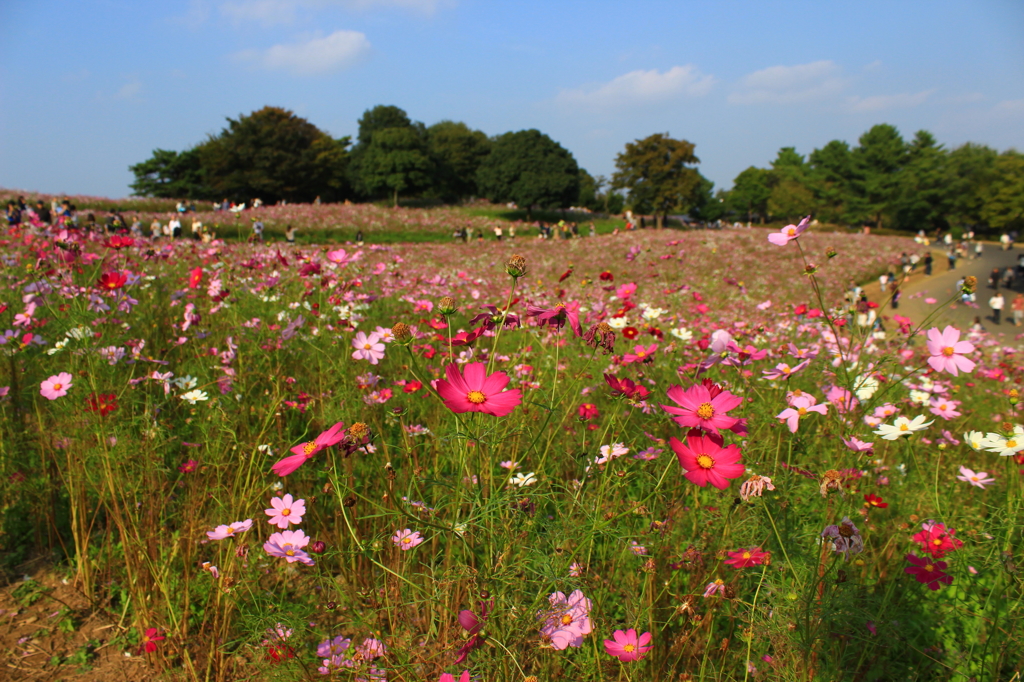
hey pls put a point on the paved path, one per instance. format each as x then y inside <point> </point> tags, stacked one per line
<point>941,285</point>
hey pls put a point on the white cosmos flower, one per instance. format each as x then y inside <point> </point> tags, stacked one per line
<point>902,427</point>
<point>682,333</point>
<point>920,397</point>
<point>653,313</point>
<point>1005,446</point>
<point>976,440</point>
<point>195,396</point>
<point>866,387</point>
<point>521,480</point>
<point>618,322</point>
<point>57,347</point>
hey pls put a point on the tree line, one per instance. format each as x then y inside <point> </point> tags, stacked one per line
<point>884,181</point>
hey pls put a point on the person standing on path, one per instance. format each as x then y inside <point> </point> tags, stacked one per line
<point>1018,310</point>
<point>996,303</point>
<point>928,263</point>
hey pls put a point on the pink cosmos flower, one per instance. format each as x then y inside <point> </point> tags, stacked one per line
<point>858,445</point>
<point>789,232</point>
<point>706,461</point>
<point>557,316</point>
<point>285,511</point>
<point>56,386</point>
<point>567,621</point>
<point>715,587</point>
<point>367,347</point>
<point>305,451</point>
<point>936,539</point>
<point>223,532</point>
<point>341,257</point>
<point>799,406</point>
<point>448,677</point>
<point>947,351</point>
<point>626,646</point>
<point>944,408</point>
<point>288,545</point>
<point>743,558</point>
<point>979,479</point>
<point>640,354</point>
<point>783,370</point>
<point>474,390</point>
<point>704,406</point>
<point>406,539</point>
<point>928,571</point>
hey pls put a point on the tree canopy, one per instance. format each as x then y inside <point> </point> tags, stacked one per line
<point>531,169</point>
<point>656,171</point>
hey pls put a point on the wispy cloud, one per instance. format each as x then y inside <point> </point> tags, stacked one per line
<point>274,12</point>
<point>337,51</point>
<point>790,84</point>
<point>642,87</point>
<point>129,91</point>
<point>903,100</point>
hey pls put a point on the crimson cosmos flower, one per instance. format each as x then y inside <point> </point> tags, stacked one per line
<point>706,461</point>
<point>704,406</point>
<point>305,451</point>
<point>112,280</point>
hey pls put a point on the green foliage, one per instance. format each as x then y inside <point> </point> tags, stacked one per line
<point>750,193</point>
<point>274,154</point>
<point>924,197</point>
<point>971,170</point>
<point>1004,197</point>
<point>531,169</point>
<point>831,173</point>
<point>171,175</point>
<point>395,161</point>
<point>658,175</point>
<point>877,163</point>
<point>457,152</point>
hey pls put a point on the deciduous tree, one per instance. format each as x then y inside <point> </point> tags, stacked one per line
<point>531,169</point>
<point>657,173</point>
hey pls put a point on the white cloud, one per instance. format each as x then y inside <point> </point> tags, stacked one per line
<point>129,91</point>
<point>790,84</point>
<point>1010,106</point>
<point>903,100</point>
<point>337,51</point>
<point>273,12</point>
<point>642,86</point>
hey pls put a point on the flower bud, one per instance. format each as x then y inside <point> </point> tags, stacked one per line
<point>401,332</point>
<point>317,547</point>
<point>831,252</point>
<point>516,266</point>
<point>810,269</point>
<point>970,283</point>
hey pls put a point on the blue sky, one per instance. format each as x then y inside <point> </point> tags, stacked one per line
<point>88,87</point>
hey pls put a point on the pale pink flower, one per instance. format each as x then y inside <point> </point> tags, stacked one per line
<point>229,531</point>
<point>288,545</point>
<point>789,232</point>
<point>56,386</point>
<point>285,511</point>
<point>406,539</point>
<point>367,347</point>
<point>979,479</point>
<point>947,351</point>
<point>799,407</point>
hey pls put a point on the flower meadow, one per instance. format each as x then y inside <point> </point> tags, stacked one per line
<point>658,455</point>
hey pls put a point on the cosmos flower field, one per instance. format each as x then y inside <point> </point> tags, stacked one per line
<point>661,455</point>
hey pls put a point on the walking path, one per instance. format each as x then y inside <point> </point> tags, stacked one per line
<point>941,285</point>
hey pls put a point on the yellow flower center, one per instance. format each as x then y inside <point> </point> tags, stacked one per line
<point>790,231</point>
<point>640,354</point>
<point>289,552</point>
<point>937,541</point>
<point>746,555</point>
<point>705,461</point>
<point>231,529</point>
<point>57,387</point>
<point>308,448</point>
<point>629,648</point>
<point>948,351</point>
<point>367,346</point>
<point>929,568</point>
<point>286,512</point>
<point>705,411</point>
<point>1011,443</point>
<point>904,427</point>
<point>567,619</point>
<point>801,411</point>
<point>476,397</point>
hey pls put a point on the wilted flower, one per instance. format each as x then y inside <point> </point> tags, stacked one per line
<point>845,537</point>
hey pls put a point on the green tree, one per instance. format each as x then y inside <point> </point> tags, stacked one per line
<point>590,191</point>
<point>656,171</point>
<point>380,117</point>
<point>274,154</point>
<point>531,169</point>
<point>923,200</point>
<point>457,152</point>
<point>830,171</point>
<point>749,193</point>
<point>970,168</point>
<point>396,160</point>
<point>877,164</point>
<point>171,175</point>
<point>790,195</point>
<point>1003,207</point>
<point>708,205</point>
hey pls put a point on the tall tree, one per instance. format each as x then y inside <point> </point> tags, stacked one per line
<point>923,199</point>
<point>1003,207</point>
<point>396,160</point>
<point>457,152</point>
<point>378,118</point>
<point>658,175</point>
<point>790,196</point>
<point>531,169</point>
<point>273,154</point>
<point>749,193</point>
<point>971,168</point>
<point>877,163</point>
<point>170,175</point>
<point>830,174</point>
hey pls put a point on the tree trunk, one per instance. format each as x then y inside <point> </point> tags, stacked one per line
<point>396,198</point>
<point>659,221</point>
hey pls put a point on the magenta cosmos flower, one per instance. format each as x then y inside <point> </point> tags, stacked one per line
<point>704,406</point>
<point>285,511</point>
<point>706,461</point>
<point>367,347</point>
<point>929,571</point>
<point>626,646</point>
<point>799,406</point>
<point>305,451</point>
<point>557,316</point>
<point>947,351</point>
<point>288,545</point>
<point>406,539</point>
<point>789,232</point>
<point>567,621</point>
<point>474,390</point>
<point>448,677</point>
<point>56,386</point>
<point>744,558</point>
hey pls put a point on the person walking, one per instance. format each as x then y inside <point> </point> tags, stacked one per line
<point>928,263</point>
<point>1018,309</point>
<point>993,279</point>
<point>996,303</point>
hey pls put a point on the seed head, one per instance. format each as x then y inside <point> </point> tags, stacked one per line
<point>401,332</point>
<point>516,266</point>
<point>359,430</point>
<point>970,283</point>
<point>831,252</point>
<point>446,306</point>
